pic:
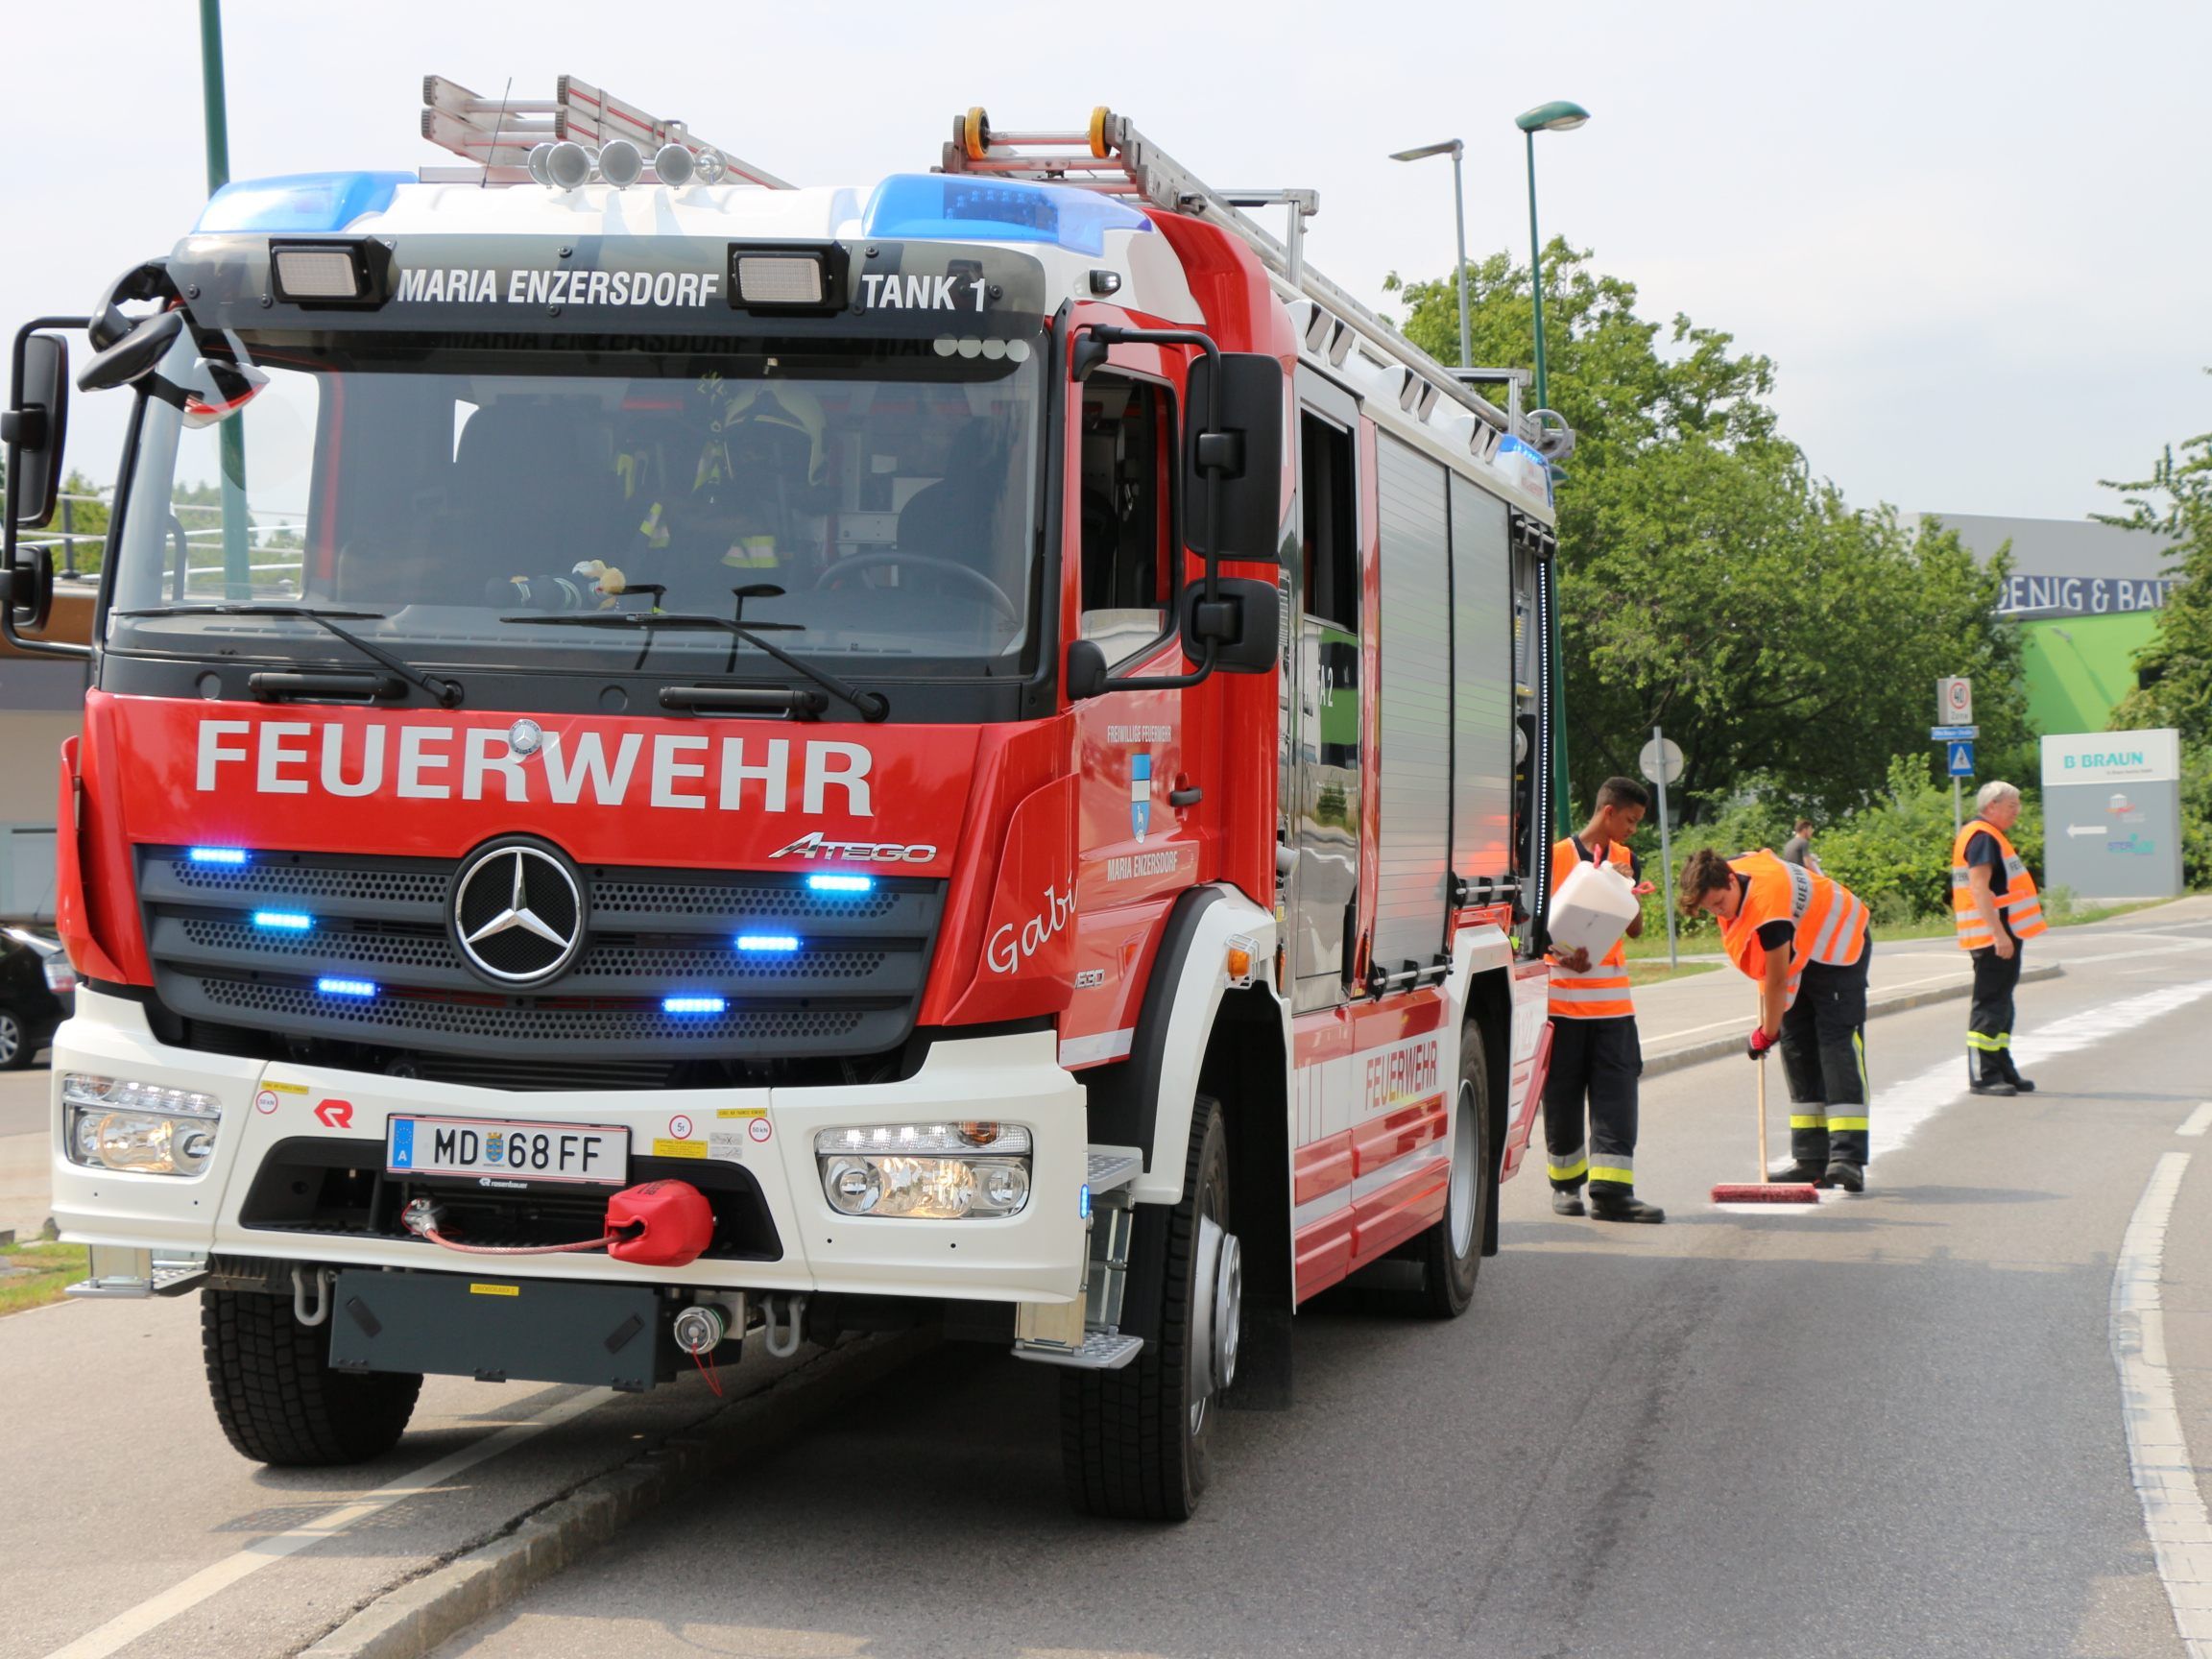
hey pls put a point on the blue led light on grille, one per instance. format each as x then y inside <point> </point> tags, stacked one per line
<point>841,883</point>
<point>694,1004</point>
<point>768,943</point>
<point>283,921</point>
<point>231,856</point>
<point>1083,1202</point>
<point>953,207</point>
<point>360,988</point>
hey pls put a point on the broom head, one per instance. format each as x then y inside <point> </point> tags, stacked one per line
<point>1767,1192</point>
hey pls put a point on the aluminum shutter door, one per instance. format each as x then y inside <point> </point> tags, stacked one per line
<point>1482,684</point>
<point>1415,631</point>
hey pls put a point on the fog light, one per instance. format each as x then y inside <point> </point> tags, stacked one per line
<point>925,1172</point>
<point>144,1128</point>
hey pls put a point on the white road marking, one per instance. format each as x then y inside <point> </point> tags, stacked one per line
<point>127,1626</point>
<point>1899,1112</point>
<point>2198,1121</point>
<point>2174,1512</point>
<point>2186,945</point>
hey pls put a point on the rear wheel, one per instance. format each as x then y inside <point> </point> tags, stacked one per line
<point>1136,1443</point>
<point>15,1046</point>
<point>1450,1252</point>
<point>278,1397</point>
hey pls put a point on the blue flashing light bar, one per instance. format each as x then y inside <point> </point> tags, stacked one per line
<point>766,943</point>
<point>960,207</point>
<point>283,921</point>
<point>299,202</point>
<point>231,856</point>
<point>841,883</point>
<point>694,1004</point>
<point>359,988</point>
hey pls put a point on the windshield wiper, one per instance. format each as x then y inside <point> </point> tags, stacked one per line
<point>872,706</point>
<point>446,693</point>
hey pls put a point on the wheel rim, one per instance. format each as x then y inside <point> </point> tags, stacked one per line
<point>1462,1198</point>
<point>11,1038</point>
<point>1217,1315</point>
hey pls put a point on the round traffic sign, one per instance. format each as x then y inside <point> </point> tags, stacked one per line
<point>1660,761</point>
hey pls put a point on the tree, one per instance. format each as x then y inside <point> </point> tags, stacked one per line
<point>2175,669</point>
<point>1708,582</point>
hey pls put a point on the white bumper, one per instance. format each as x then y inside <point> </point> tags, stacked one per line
<point>1037,1256</point>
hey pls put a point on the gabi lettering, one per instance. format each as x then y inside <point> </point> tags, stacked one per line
<point>1010,946</point>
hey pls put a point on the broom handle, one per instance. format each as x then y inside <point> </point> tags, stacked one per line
<point>1762,1118</point>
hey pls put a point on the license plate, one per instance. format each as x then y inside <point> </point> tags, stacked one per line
<point>571,1152</point>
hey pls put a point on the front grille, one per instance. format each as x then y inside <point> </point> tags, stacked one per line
<point>849,991</point>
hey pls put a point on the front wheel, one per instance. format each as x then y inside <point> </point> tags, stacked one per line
<point>1136,1443</point>
<point>278,1397</point>
<point>15,1046</point>
<point>1450,1252</point>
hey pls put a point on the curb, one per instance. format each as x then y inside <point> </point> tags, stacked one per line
<point>411,1620</point>
<point>1716,1047</point>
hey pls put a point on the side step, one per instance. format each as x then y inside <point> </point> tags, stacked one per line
<point>121,1274</point>
<point>1086,1335</point>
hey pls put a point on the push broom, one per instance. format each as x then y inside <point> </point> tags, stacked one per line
<point>1765,1191</point>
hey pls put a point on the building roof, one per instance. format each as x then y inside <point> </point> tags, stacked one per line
<point>2063,547</point>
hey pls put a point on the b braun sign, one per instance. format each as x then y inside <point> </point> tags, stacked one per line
<point>2112,813</point>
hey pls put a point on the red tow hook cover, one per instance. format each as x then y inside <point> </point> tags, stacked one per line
<point>674,1222</point>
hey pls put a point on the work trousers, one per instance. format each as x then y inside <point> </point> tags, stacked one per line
<point>1990,1020</point>
<point>1824,1058</point>
<point>1596,1061</point>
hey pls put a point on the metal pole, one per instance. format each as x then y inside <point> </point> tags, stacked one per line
<point>1565,817</point>
<point>238,574</point>
<point>68,540</point>
<point>1459,220</point>
<point>1956,823</point>
<point>1666,852</point>
<point>1535,275</point>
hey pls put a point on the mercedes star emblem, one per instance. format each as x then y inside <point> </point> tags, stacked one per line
<point>525,737</point>
<point>518,913</point>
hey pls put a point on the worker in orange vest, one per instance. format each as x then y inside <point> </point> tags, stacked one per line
<point>1803,937</point>
<point>1596,1055</point>
<point>1996,910</point>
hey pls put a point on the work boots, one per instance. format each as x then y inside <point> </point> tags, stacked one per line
<point>1623,1207</point>
<point>1799,1173</point>
<point>1986,1074</point>
<point>1846,1177</point>
<point>1566,1201</point>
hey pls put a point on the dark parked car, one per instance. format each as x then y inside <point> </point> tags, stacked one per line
<point>37,987</point>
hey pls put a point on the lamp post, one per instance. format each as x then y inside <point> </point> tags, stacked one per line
<point>1556,117</point>
<point>237,555</point>
<point>1455,149</point>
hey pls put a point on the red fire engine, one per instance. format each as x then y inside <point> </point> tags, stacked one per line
<point>668,754</point>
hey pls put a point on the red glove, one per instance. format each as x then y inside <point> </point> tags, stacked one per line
<point>1760,1043</point>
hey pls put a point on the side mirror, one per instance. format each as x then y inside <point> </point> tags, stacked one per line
<point>1086,670</point>
<point>134,356</point>
<point>1239,459</point>
<point>34,429</point>
<point>1243,621</point>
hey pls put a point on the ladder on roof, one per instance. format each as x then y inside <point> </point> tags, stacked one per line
<point>498,133</point>
<point>1110,154</point>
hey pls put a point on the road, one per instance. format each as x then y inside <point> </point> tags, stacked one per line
<point>1889,1426</point>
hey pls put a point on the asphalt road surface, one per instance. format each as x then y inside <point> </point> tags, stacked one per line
<point>1892,1424</point>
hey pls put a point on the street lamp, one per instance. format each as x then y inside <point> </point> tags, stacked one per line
<point>1454,148</point>
<point>1556,117</point>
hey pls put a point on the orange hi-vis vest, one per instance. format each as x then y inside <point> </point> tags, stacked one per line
<point>1829,919</point>
<point>1602,993</point>
<point>2019,904</point>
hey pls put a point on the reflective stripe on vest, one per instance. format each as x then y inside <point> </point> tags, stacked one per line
<point>2020,904</point>
<point>1829,919</point>
<point>1603,992</point>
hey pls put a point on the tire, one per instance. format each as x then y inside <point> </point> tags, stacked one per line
<point>277,1399</point>
<point>1450,1252</point>
<point>1134,1443</point>
<point>16,1050</point>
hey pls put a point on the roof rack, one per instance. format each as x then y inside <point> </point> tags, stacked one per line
<point>1109,155</point>
<point>498,133</point>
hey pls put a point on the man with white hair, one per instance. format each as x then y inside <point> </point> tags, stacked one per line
<point>1995,908</point>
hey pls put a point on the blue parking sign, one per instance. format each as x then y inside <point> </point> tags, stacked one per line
<point>1962,759</point>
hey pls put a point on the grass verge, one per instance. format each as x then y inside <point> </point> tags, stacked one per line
<point>33,1275</point>
<point>1659,974</point>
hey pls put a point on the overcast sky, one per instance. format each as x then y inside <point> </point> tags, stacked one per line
<point>1973,235</point>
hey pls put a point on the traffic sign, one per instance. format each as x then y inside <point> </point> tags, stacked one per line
<point>1660,761</point>
<point>1954,701</point>
<point>1963,760</point>
<point>1952,734</point>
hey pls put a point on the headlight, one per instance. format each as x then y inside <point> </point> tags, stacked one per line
<point>926,1171</point>
<point>119,1123</point>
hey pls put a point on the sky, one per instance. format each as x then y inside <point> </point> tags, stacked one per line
<point>1973,236</point>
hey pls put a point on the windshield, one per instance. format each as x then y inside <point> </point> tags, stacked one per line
<point>458,492</point>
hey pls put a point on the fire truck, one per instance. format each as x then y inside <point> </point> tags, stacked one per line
<point>670,756</point>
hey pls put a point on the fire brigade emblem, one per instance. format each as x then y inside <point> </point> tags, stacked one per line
<point>1140,794</point>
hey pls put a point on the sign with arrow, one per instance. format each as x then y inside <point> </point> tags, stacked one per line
<point>1963,760</point>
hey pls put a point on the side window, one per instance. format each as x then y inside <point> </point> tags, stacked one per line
<point>1328,793</point>
<point>1331,527</point>
<point>1124,507</point>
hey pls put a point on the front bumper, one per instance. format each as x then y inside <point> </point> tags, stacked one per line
<point>1037,1256</point>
